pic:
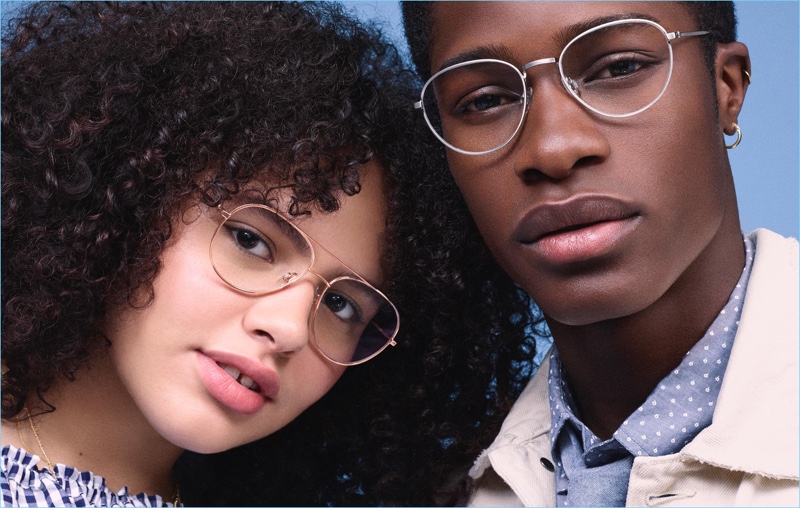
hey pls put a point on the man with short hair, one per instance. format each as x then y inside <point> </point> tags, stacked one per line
<point>589,143</point>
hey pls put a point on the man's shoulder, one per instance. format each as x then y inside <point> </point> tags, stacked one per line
<point>772,242</point>
<point>755,428</point>
<point>774,277</point>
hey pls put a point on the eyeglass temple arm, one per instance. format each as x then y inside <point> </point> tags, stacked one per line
<point>390,339</point>
<point>225,214</point>
<point>677,35</point>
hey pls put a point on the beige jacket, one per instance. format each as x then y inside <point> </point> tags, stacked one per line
<point>748,456</point>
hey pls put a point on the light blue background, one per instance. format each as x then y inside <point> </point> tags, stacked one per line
<point>765,165</point>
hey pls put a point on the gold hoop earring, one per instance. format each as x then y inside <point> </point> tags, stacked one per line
<point>747,75</point>
<point>738,137</point>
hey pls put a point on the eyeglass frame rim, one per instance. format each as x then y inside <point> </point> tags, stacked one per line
<point>522,73</point>
<point>226,215</point>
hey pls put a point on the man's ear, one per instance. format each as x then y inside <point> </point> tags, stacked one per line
<point>733,77</point>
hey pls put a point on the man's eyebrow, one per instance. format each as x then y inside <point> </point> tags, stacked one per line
<point>567,33</point>
<point>562,38</point>
<point>481,52</point>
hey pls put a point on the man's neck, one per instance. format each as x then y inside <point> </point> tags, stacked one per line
<point>612,366</point>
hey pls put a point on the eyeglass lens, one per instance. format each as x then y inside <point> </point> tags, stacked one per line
<point>255,250</point>
<point>616,69</point>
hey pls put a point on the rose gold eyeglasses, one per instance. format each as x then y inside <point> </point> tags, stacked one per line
<point>257,251</point>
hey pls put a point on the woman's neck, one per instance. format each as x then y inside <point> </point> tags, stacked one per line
<point>96,427</point>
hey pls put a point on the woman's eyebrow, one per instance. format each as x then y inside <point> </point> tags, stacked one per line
<point>343,269</point>
<point>283,224</point>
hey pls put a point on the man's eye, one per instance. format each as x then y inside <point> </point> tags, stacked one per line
<point>623,68</point>
<point>486,100</point>
<point>615,66</point>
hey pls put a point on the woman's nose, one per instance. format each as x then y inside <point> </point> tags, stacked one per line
<point>281,319</point>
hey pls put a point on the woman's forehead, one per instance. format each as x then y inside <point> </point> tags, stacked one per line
<point>355,232</point>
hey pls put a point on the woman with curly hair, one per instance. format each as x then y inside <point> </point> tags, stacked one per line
<point>208,210</point>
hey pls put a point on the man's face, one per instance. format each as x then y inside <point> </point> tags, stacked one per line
<point>596,217</point>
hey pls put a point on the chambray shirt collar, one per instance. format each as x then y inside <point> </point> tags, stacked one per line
<point>674,413</point>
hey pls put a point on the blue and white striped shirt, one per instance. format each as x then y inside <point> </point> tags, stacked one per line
<point>23,484</point>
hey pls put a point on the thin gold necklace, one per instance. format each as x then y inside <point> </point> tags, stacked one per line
<point>38,441</point>
<point>176,501</point>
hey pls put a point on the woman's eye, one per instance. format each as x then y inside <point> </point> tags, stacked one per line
<point>250,242</point>
<point>341,306</point>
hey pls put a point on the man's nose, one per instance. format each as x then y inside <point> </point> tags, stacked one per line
<point>558,135</point>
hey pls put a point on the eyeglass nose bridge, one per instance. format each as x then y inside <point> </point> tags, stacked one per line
<point>541,61</point>
<point>290,277</point>
<point>567,82</point>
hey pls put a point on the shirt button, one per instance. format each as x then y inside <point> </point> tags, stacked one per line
<point>547,464</point>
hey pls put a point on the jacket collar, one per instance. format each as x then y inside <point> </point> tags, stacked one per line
<point>756,419</point>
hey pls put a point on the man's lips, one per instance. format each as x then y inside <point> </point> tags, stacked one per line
<point>571,215</point>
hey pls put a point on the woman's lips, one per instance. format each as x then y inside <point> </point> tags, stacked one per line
<point>579,229</point>
<point>248,391</point>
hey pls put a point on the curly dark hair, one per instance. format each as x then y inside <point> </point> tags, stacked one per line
<point>719,17</point>
<point>117,116</point>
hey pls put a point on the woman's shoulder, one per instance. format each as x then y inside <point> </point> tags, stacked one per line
<point>25,484</point>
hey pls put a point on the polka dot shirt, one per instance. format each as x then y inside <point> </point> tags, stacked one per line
<point>592,472</point>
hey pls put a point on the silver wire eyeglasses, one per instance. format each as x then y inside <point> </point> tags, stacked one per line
<point>256,250</point>
<point>617,69</point>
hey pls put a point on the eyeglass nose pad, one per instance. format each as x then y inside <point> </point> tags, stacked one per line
<point>287,278</point>
<point>573,86</point>
<point>529,99</point>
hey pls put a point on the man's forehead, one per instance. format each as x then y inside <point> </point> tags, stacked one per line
<point>458,28</point>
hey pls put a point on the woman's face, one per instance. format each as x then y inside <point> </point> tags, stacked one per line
<point>170,356</point>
